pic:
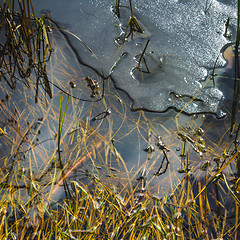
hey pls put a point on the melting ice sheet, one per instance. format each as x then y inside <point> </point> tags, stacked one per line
<point>186,37</point>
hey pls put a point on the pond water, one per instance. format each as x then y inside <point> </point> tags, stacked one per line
<point>186,42</point>
<point>186,38</point>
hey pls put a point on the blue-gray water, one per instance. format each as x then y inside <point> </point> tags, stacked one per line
<point>186,38</point>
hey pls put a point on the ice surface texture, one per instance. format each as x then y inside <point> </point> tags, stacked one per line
<point>186,37</point>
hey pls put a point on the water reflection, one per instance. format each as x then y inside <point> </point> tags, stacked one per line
<point>140,154</point>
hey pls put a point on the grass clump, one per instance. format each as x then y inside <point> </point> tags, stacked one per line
<point>101,213</point>
<point>25,45</point>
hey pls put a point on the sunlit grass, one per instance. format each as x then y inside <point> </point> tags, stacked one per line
<point>55,145</point>
<point>102,212</point>
<point>98,208</point>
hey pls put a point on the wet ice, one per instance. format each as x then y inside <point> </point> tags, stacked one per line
<point>186,38</point>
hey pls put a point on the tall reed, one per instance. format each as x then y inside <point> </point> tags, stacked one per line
<point>26,48</point>
<point>237,71</point>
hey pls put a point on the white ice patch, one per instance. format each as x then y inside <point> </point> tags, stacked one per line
<point>186,37</point>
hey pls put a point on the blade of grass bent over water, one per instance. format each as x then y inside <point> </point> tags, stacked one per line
<point>217,173</point>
